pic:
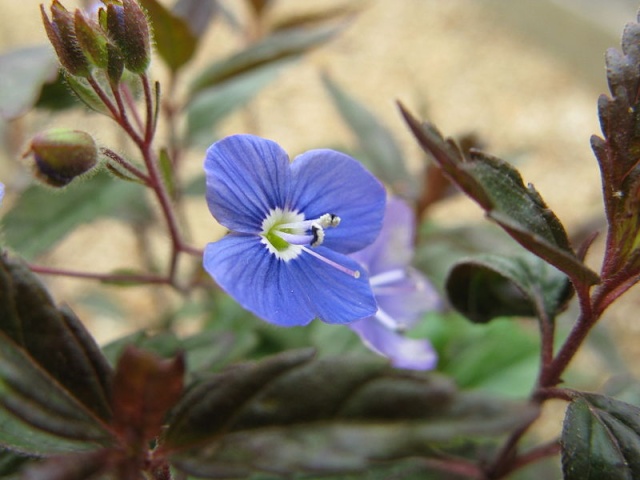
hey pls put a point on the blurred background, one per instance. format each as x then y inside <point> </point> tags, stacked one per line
<point>523,76</point>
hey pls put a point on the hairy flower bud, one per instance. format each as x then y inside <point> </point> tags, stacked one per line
<point>129,28</point>
<point>92,40</point>
<point>61,32</point>
<point>61,154</point>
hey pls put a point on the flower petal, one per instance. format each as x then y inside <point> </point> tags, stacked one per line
<point>287,293</point>
<point>247,177</point>
<point>393,248</point>
<point>326,181</point>
<point>336,296</point>
<point>403,352</point>
<point>406,300</point>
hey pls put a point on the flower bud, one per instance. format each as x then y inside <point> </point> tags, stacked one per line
<point>60,155</point>
<point>61,33</point>
<point>92,40</point>
<point>129,28</point>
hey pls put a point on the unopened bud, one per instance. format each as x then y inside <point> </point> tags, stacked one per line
<point>60,155</point>
<point>129,28</point>
<point>91,39</point>
<point>61,32</point>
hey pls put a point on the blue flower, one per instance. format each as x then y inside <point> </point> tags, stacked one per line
<point>291,226</point>
<point>403,294</point>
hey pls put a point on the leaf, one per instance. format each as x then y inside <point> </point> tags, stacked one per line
<point>82,466</point>
<point>290,414</point>
<point>500,358</point>
<point>601,439</point>
<point>383,154</point>
<point>166,170</point>
<point>11,462</point>
<point>489,286</point>
<point>205,351</point>
<point>31,398</point>
<point>57,95</point>
<point>53,338</point>
<point>498,188</point>
<point>212,105</point>
<point>308,18</point>
<point>41,217</point>
<point>86,94</point>
<point>197,13</point>
<point>145,387</point>
<point>285,45</point>
<point>175,41</point>
<point>53,378</point>
<point>617,155</point>
<point>23,73</point>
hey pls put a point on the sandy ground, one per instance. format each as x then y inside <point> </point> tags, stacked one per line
<point>524,78</point>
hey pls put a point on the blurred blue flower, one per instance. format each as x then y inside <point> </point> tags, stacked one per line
<point>1,192</point>
<point>403,294</point>
<point>291,226</point>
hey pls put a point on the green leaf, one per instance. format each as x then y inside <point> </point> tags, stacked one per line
<point>41,217</point>
<point>85,94</point>
<point>57,95</point>
<point>489,286</point>
<point>501,358</point>
<point>601,439</point>
<point>383,155</point>
<point>285,45</point>
<point>166,170</point>
<point>498,188</point>
<point>212,105</point>
<point>23,73</point>
<point>290,414</point>
<point>174,40</point>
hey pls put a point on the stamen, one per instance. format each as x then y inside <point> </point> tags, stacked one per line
<point>294,239</point>
<point>388,321</point>
<point>285,232</point>
<point>318,235</point>
<point>325,221</point>
<point>385,278</point>
<point>329,220</point>
<point>353,273</point>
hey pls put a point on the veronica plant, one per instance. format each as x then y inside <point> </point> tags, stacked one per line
<point>292,225</point>
<point>403,293</point>
<point>311,238</point>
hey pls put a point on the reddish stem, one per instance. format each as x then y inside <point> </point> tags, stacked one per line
<point>135,171</point>
<point>103,277</point>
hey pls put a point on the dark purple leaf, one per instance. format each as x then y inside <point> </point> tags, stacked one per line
<point>290,414</point>
<point>498,188</point>
<point>601,439</point>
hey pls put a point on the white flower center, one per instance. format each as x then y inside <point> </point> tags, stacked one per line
<point>286,234</point>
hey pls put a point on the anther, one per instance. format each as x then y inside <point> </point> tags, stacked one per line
<point>318,235</point>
